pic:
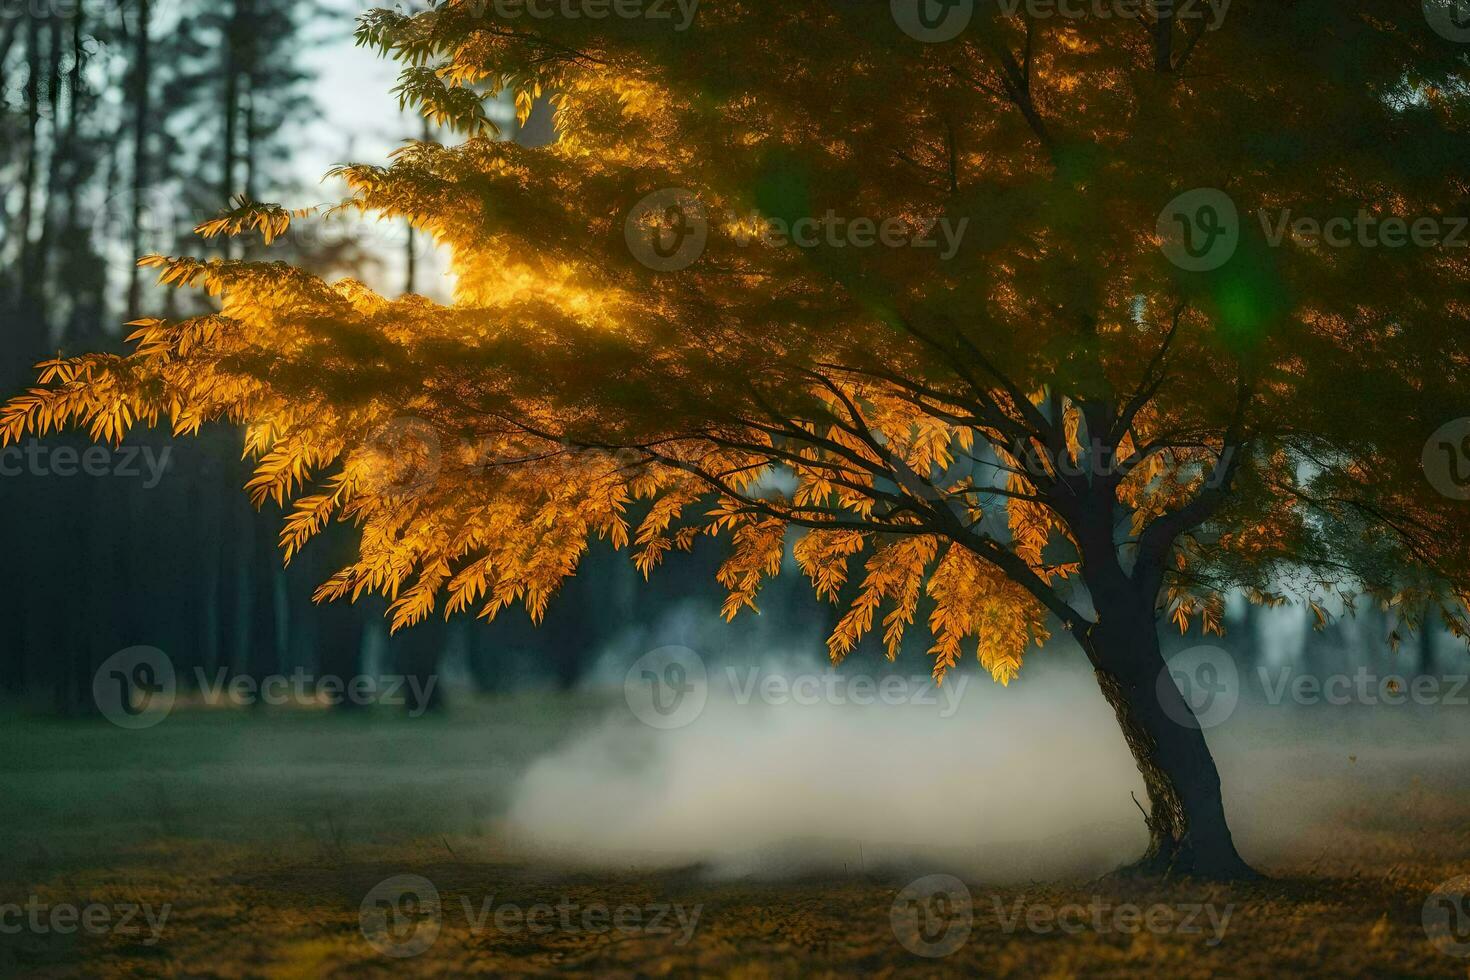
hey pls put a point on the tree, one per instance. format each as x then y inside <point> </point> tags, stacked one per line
<point>104,114</point>
<point>1047,424</point>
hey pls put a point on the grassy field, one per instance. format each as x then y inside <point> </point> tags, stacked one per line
<point>263,835</point>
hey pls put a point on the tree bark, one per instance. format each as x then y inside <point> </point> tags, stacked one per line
<point>25,285</point>
<point>1188,832</point>
<point>142,114</point>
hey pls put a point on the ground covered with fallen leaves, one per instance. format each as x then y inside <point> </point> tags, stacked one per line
<point>275,878</point>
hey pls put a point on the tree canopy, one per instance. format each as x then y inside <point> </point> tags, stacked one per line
<point>994,429</point>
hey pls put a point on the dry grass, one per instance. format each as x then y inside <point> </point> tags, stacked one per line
<point>277,904</point>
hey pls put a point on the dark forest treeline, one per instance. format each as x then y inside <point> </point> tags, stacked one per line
<point>125,124</point>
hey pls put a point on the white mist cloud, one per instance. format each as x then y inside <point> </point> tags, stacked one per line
<point>1030,781</point>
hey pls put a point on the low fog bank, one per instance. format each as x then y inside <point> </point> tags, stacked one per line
<point>809,777</point>
<point>1033,781</point>
<point>1014,783</point>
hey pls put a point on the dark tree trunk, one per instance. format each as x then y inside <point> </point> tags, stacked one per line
<point>25,286</point>
<point>58,150</point>
<point>1428,662</point>
<point>142,115</point>
<point>234,30</point>
<point>336,629</point>
<point>1188,833</point>
<point>263,648</point>
<point>417,653</point>
<point>412,257</point>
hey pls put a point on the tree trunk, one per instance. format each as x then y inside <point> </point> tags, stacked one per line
<point>24,286</point>
<point>1427,631</point>
<point>1188,833</point>
<point>417,653</point>
<point>231,108</point>
<point>59,149</point>
<point>142,116</point>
